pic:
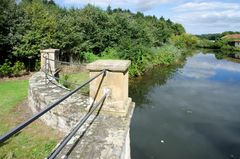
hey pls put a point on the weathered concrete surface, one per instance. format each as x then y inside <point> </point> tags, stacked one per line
<point>111,65</point>
<point>107,137</point>
<point>50,65</point>
<point>64,116</point>
<point>115,80</point>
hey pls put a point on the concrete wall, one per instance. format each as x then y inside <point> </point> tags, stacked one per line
<point>106,134</point>
<point>107,137</point>
<point>63,117</point>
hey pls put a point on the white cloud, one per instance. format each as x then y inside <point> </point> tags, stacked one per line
<point>205,66</point>
<point>139,5</point>
<point>144,5</point>
<point>218,16</point>
<point>204,6</point>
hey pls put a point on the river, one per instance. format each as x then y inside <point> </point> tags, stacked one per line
<point>187,111</point>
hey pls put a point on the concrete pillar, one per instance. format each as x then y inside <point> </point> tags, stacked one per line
<point>50,65</point>
<point>115,80</point>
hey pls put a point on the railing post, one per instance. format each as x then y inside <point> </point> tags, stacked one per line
<point>115,80</point>
<point>50,65</point>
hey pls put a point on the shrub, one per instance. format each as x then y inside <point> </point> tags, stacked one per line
<point>17,68</point>
<point>184,41</point>
<point>90,57</point>
<point>6,69</point>
<point>109,53</point>
<point>64,81</point>
<point>165,55</point>
<point>37,65</point>
<point>134,70</point>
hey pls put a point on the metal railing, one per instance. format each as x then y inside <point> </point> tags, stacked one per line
<point>47,75</point>
<point>63,62</point>
<point>48,71</point>
<point>24,124</point>
<point>76,128</point>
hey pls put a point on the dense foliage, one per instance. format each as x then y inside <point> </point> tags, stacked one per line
<point>220,42</point>
<point>185,41</point>
<point>88,33</point>
<point>216,36</point>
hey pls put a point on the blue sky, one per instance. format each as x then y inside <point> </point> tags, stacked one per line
<point>197,16</point>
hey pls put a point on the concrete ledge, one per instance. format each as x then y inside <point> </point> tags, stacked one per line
<point>110,65</point>
<point>50,50</point>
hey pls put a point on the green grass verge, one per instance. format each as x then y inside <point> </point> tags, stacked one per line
<point>36,140</point>
<point>12,92</point>
<point>77,78</point>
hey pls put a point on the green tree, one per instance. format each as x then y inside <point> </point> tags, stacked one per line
<point>184,41</point>
<point>7,10</point>
<point>40,32</point>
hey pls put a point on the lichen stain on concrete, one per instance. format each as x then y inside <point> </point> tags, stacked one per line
<point>105,138</point>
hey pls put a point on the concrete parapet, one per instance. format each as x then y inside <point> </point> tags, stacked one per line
<point>106,134</point>
<point>65,115</point>
<point>115,80</point>
<point>50,65</point>
<point>107,137</point>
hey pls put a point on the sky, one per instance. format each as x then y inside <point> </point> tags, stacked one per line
<point>197,16</point>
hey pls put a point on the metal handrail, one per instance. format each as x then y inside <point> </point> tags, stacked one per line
<point>62,62</point>
<point>76,128</point>
<point>42,112</point>
<point>59,79</point>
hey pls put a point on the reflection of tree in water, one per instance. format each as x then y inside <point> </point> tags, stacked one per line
<point>157,76</point>
<point>220,55</point>
<point>217,53</point>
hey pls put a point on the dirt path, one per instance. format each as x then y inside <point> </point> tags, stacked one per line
<point>24,77</point>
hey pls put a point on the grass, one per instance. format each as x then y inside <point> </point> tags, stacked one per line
<point>12,92</point>
<point>36,140</point>
<point>77,78</point>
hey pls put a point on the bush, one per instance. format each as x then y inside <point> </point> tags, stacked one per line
<point>109,53</point>
<point>142,57</point>
<point>37,65</point>
<point>64,81</point>
<point>204,43</point>
<point>17,68</point>
<point>6,69</point>
<point>165,55</point>
<point>134,70</point>
<point>90,57</point>
<point>184,41</point>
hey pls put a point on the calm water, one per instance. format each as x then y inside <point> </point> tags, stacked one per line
<point>188,111</point>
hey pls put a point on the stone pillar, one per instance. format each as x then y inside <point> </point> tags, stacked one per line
<point>52,54</point>
<point>115,81</point>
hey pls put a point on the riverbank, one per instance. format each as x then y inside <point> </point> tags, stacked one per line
<point>199,98</point>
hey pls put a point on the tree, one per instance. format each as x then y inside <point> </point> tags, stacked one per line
<point>178,29</point>
<point>40,29</point>
<point>109,9</point>
<point>7,9</point>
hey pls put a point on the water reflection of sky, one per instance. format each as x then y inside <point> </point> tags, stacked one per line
<point>193,115</point>
<point>206,67</point>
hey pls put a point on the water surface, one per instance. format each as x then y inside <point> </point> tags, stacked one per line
<point>188,111</point>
